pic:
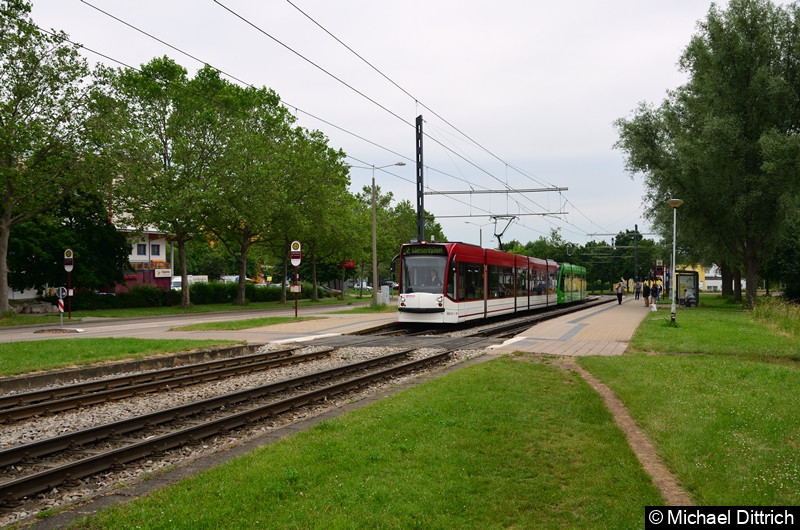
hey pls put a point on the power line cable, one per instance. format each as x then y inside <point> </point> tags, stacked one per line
<point>416,100</point>
<point>339,80</point>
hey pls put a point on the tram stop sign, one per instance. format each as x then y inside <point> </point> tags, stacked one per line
<point>69,260</point>
<point>295,254</point>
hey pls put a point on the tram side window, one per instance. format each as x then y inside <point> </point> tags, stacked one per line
<point>470,281</point>
<point>508,281</point>
<point>522,282</point>
<point>539,282</point>
<point>451,279</point>
<point>501,281</point>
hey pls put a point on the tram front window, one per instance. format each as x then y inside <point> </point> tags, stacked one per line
<point>424,274</point>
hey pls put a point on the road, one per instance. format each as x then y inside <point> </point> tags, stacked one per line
<point>160,327</point>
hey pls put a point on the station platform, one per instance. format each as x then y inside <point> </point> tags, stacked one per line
<point>600,330</point>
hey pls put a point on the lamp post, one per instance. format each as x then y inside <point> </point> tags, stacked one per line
<point>480,231</point>
<point>374,228</point>
<point>674,203</point>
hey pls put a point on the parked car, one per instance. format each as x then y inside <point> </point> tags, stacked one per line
<point>390,283</point>
<point>360,286</point>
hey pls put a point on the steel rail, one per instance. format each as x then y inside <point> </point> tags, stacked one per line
<point>16,489</point>
<point>122,392</point>
<point>71,441</point>
<point>63,391</point>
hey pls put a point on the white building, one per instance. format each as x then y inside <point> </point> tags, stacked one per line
<point>148,258</point>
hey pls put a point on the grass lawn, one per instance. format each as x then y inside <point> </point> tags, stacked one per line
<point>517,442</point>
<point>24,357</point>
<point>242,324</point>
<point>509,443</point>
<point>718,396</point>
<point>728,428</point>
<point>716,328</point>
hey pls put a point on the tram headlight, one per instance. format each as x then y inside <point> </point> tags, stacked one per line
<point>440,300</point>
<point>402,300</point>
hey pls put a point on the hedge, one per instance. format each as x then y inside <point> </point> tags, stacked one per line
<point>199,294</point>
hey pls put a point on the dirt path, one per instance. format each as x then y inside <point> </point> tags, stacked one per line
<point>673,493</point>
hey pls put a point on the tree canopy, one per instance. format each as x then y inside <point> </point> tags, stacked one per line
<point>44,112</point>
<point>726,142</point>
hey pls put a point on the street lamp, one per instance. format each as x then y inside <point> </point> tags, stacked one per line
<point>480,231</point>
<point>674,203</point>
<point>374,228</point>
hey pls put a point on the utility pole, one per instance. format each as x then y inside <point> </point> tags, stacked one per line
<point>635,253</point>
<point>420,194</point>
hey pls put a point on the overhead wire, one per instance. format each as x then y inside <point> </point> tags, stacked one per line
<point>267,34</point>
<point>245,83</point>
<point>298,109</point>
<point>419,102</point>
<point>231,76</point>
<point>406,92</point>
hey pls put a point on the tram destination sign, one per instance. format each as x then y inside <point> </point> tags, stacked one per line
<point>425,250</point>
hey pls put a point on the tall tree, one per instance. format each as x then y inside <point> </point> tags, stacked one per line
<point>175,136</point>
<point>317,208</point>
<point>80,222</point>
<point>44,87</point>
<point>706,143</point>
<point>254,184</point>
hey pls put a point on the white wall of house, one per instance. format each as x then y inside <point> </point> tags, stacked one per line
<point>714,279</point>
<point>148,248</point>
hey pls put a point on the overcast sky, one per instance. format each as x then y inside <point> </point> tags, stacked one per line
<point>536,84</point>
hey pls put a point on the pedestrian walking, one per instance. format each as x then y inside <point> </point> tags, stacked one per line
<point>620,292</point>
<point>646,294</point>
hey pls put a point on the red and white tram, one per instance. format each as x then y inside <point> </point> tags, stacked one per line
<point>456,282</point>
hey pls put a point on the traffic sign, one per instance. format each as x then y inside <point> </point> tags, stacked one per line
<point>69,260</point>
<point>295,254</point>
<point>61,292</point>
<point>60,305</point>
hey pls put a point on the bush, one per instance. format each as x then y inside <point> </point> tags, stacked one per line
<point>212,293</point>
<point>137,296</point>
<point>199,293</point>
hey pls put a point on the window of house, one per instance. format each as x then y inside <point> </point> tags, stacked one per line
<point>155,249</point>
<point>141,249</point>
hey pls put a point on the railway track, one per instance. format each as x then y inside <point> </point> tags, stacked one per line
<point>14,407</point>
<point>45,464</point>
<point>67,460</point>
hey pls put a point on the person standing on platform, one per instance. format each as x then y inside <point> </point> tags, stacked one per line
<point>646,294</point>
<point>620,292</point>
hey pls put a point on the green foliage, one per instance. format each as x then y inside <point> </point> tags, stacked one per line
<point>30,356</point>
<point>80,222</point>
<point>222,293</point>
<point>508,443</point>
<point>137,296</point>
<point>779,315</point>
<point>725,142</point>
<point>44,123</point>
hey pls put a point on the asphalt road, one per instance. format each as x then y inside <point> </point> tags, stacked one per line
<point>160,327</point>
